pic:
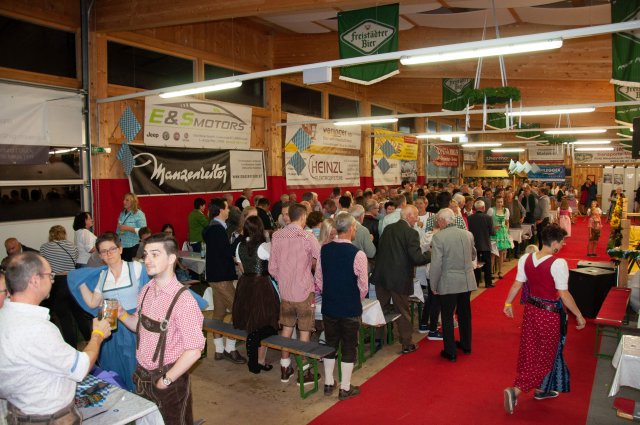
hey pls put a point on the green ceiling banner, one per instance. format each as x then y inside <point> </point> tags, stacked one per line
<point>626,45</point>
<point>453,98</point>
<point>366,32</point>
<point>626,113</point>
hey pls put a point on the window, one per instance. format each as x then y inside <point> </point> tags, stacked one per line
<point>45,187</point>
<point>250,93</point>
<point>300,100</point>
<point>380,111</point>
<point>342,107</point>
<point>35,48</point>
<point>145,69</point>
<point>407,125</point>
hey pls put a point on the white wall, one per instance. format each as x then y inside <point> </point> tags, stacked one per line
<point>33,233</point>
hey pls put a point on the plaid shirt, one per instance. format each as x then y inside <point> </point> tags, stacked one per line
<point>460,224</point>
<point>185,324</point>
<point>293,251</point>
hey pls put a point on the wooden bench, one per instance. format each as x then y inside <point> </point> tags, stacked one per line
<point>611,317</point>
<point>311,351</point>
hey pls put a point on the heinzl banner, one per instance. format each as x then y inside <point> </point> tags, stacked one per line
<point>194,123</point>
<point>366,32</point>
<point>159,170</point>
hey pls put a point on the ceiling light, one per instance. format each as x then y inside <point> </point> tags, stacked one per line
<point>442,136</point>
<point>481,145</point>
<point>548,111</point>
<point>594,149</point>
<point>590,142</point>
<point>483,52</point>
<point>205,89</point>
<point>508,150</point>
<point>367,121</point>
<point>577,131</point>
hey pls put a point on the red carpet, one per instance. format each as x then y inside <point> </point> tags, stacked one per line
<point>422,388</point>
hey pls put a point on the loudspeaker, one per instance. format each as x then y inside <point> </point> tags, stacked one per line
<point>635,146</point>
<point>589,287</point>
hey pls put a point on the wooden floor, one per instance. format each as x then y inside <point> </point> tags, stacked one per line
<point>228,392</point>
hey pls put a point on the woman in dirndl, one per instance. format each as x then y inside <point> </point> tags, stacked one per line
<point>541,366</point>
<point>256,305</point>
<point>500,216</point>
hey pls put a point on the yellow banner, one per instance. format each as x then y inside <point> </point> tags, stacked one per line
<point>406,147</point>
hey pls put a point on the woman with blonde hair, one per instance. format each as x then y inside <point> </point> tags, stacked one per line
<point>131,219</point>
<point>328,231</point>
<point>62,255</point>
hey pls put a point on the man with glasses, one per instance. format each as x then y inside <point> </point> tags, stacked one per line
<point>34,359</point>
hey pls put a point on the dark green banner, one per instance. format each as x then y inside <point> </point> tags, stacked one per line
<point>453,98</point>
<point>366,32</point>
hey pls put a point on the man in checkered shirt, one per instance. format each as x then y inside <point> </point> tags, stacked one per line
<point>168,323</point>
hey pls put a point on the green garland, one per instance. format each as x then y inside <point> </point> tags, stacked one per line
<point>557,139</point>
<point>492,94</point>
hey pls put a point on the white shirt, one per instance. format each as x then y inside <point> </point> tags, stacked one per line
<point>85,241</point>
<point>559,271</point>
<point>38,370</point>
<point>124,280</point>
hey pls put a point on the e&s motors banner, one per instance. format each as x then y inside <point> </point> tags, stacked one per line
<point>159,171</point>
<point>194,123</point>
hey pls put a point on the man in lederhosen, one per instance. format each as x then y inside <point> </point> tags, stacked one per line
<point>168,323</point>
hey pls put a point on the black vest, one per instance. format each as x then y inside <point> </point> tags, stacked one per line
<point>340,293</point>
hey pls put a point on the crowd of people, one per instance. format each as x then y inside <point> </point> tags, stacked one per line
<point>278,268</point>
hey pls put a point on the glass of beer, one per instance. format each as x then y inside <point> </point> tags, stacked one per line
<point>109,311</point>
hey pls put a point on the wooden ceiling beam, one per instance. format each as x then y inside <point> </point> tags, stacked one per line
<point>127,15</point>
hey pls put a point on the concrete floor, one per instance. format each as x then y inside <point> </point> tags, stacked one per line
<point>223,391</point>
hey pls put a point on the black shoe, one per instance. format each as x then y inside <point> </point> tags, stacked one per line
<point>307,377</point>
<point>265,367</point>
<point>406,349</point>
<point>234,357</point>
<point>459,346</point>
<point>489,286</point>
<point>219,356</point>
<point>328,389</point>
<point>447,356</point>
<point>352,392</point>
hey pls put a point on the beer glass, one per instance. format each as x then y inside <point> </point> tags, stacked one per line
<point>109,311</point>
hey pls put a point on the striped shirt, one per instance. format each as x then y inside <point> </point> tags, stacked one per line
<point>61,255</point>
<point>184,331</point>
<point>293,251</point>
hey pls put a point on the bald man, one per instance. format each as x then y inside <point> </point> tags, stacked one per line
<point>398,253</point>
<point>13,246</point>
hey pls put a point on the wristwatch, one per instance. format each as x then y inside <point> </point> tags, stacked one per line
<point>165,380</point>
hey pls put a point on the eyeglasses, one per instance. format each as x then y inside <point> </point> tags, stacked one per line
<point>51,275</point>
<point>109,251</point>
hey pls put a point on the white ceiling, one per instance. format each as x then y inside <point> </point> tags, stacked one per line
<point>432,14</point>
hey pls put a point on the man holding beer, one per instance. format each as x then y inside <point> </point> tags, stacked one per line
<point>34,359</point>
<point>168,323</point>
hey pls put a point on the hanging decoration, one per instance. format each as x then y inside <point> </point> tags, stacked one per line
<point>130,127</point>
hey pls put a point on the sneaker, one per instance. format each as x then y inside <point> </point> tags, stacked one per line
<point>285,373</point>
<point>510,400</point>
<point>540,395</point>
<point>423,329</point>
<point>307,377</point>
<point>434,336</point>
<point>352,392</point>
<point>328,389</point>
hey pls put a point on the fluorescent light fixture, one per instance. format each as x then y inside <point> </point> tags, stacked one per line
<point>61,151</point>
<point>441,136</point>
<point>366,121</point>
<point>594,149</point>
<point>481,145</point>
<point>590,142</point>
<point>483,52</point>
<point>205,89</point>
<point>508,150</point>
<point>577,131</point>
<point>550,111</point>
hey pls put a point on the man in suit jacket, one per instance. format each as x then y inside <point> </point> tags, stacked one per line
<point>221,272</point>
<point>481,227</point>
<point>452,278</point>
<point>398,253</point>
